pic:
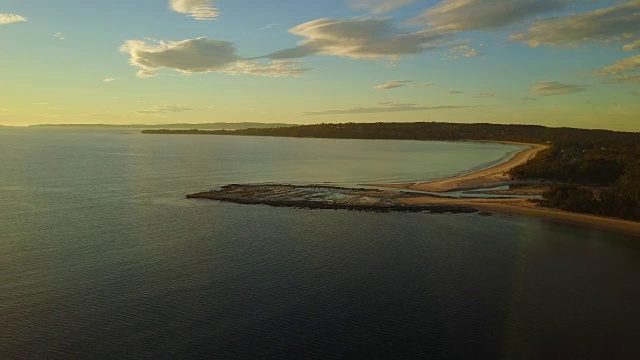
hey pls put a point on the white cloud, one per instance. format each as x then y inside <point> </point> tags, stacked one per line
<point>59,35</point>
<point>465,15</point>
<point>617,23</point>
<point>269,26</point>
<point>379,6</point>
<point>11,18</point>
<point>551,88</point>
<point>622,71</point>
<point>109,79</point>
<point>462,50</point>
<point>200,55</point>
<point>632,46</point>
<point>359,38</point>
<point>392,84</point>
<point>622,66</point>
<point>385,107</point>
<point>197,9</point>
<point>166,109</point>
<point>276,68</point>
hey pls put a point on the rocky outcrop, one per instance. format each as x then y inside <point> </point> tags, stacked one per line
<point>325,198</point>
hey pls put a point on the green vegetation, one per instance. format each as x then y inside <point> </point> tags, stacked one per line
<point>593,171</point>
<point>596,177</point>
<point>426,131</point>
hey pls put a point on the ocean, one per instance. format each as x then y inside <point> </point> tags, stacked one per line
<point>102,256</point>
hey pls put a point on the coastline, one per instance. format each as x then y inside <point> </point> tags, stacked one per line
<point>495,176</point>
<point>527,208</point>
<point>392,197</point>
<point>491,177</point>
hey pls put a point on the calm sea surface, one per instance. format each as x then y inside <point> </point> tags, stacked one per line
<point>101,256</point>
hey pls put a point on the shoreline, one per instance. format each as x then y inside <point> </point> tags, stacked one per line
<point>495,176</point>
<point>437,202</point>
<point>490,177</point>
<point>527,208</point>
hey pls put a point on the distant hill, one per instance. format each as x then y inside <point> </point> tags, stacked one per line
<point>427,131</point>
<point>210,126</point>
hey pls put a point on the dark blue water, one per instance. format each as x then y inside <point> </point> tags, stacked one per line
<point>102,257</point>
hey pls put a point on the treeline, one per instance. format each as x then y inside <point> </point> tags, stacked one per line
<point>427,131</point>
<point>586,162</point>
<point>621,201</point>
<point>601,178</point>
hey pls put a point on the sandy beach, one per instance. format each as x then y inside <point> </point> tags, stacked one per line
<point>527,208</point>
<point>495,176</point>
<point>490,177</point>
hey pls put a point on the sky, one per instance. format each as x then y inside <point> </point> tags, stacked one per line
<point>560,63</point>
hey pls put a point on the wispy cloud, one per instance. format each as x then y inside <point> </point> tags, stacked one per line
<point>200,55</point>
<point>466,15</point>
<point>109,79</point>
<point>358,38</point>
<point>197,9</point>
<point>11,18</point>
<point>385,107</point>
<point>100,115</point>
<point>617,23</point>
<point>59,35</point>
<point>551,88</point>
<point>166,109</point>
<point>632,46</point>
<point>272,69</point>
<point>379,6</point>
<point>457,52</point>
<point>269,26</point>
<point>621,69</point>
<point>455,92</point>
<point>392,84</point>
<point>488,94</point>
<point>426,84</point>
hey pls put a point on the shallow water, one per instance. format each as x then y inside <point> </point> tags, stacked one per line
<point>102,257</point>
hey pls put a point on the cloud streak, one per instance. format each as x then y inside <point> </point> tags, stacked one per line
<point>393,84</point>
<point>617,23</point>
<point>200,55</point>
<point>359,38</point>
<point>166,109</point>
<point>387,107</point>
<point>468,15</point>
<point>379,6</point>
<point>197,9</point>
<point>462,50</point>
<point>6,19</point>
<point>552,88</point>
<point>624,71</point>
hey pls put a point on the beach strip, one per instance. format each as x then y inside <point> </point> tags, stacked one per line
<point>528,208</point>
<point>490,177</point>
